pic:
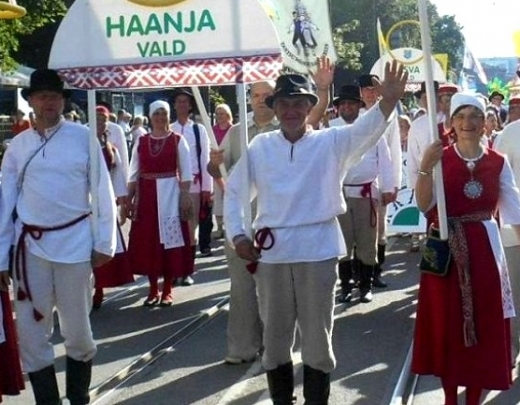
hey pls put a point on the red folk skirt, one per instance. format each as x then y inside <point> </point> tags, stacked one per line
<point>11,379</point>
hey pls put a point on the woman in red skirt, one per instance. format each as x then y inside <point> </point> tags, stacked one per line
<point>462,332</point>
<point>116,272</point>
<point>11,379</point>
<point>159,205</point>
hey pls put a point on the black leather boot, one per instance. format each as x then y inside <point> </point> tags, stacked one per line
<point>45,386</point>
<point>79,374</point>
<point>347,283</point>
<point>316,386</point>
<point>281,384</point>
<point>365,283</point>
<point>377,282</point>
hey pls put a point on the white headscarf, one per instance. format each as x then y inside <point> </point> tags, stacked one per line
<point>159,104</point>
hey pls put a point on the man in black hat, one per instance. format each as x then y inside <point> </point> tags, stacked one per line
<point>365,183</point>
<point>46,182</point>
<point>497,99</point>
<point>370,96</point>
<point>244,331</point>
<point>295,174</point>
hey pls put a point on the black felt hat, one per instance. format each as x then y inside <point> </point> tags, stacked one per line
<point>348,92</point>
<point>291,85</point>
<point>419,93</point>
<point>45,80</point>
<point>366,80</point>
<point>181,91</point>
<point>496,93</point>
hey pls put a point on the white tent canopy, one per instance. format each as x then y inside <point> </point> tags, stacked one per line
<point>120,44</point>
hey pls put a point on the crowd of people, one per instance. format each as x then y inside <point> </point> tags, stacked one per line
<point>164,176</point>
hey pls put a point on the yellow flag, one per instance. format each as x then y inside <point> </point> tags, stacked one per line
<point>383,47</point>
<point>442,58</point>
<point>516,40</point>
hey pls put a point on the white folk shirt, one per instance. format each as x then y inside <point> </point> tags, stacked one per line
<point>419,138</point>
<point>55,190</point>
<point>393,139</point>
<point>507,142</point>
<point>186,130</point>
<point>116,137</point>
<point>298,187</point>
<point>376,162</point>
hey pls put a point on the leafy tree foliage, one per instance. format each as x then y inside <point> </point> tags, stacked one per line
<point>445,32</point>
<point>40,14</point>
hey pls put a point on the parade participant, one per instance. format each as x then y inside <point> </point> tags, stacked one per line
<point>497,99</point>
<point>202,183</point>
<point>369,96</point>
<point>11,378</point>
<point>513,113</point>
<point>462,331</point>
<point>244,329</point>
<point>507,143</point>
<point>492,127</point>
<point>224,121</point>
<point>419,137</point>
<point>159,205</point>
<point>46,181</point>
<point>362,192</point>
<point>296,276</point>
<point>117,271</point>
<point>19,123</point>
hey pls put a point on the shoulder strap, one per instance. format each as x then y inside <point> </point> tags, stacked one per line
<point>196,132</point>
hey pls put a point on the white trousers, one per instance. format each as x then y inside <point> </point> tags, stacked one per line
<point>68,288</point>
<point>297,294</point>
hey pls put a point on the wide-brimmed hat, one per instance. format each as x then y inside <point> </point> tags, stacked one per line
<point>422,90</point>
<point>494,94</point>
<point>45,80</point>
<point>348,92</point>
<point>460,100</point>
<point>291,85</point>
<point>366,80</point>
<point>181,91</point>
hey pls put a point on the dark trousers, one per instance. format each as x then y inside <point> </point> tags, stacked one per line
<point>205,226</point>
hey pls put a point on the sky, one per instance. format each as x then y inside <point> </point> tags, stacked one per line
<point>489,25</point>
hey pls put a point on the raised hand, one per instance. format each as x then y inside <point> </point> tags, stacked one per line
<point>392,87</point>
<point>324,76</point>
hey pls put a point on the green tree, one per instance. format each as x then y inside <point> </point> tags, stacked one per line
<point>445,32</point>
<point>40,14</point>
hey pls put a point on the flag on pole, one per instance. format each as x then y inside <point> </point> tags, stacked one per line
<point>383,47</point>
<point>472,77</point>
<point>304,32</point>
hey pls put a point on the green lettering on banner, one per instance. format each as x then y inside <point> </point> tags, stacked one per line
<point>153,25</point>
<point>179,22</point>
<point>170,21</point>
<point>135,26</point>
<point>164,48</point>
<point>115,26</point>
<point>206,20</point>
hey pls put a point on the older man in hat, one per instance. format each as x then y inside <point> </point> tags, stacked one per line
<point>46,186</point>
<point>244,330</point>
<point>370,96</point>
<point>295,174</point>
<point>365,183</point>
